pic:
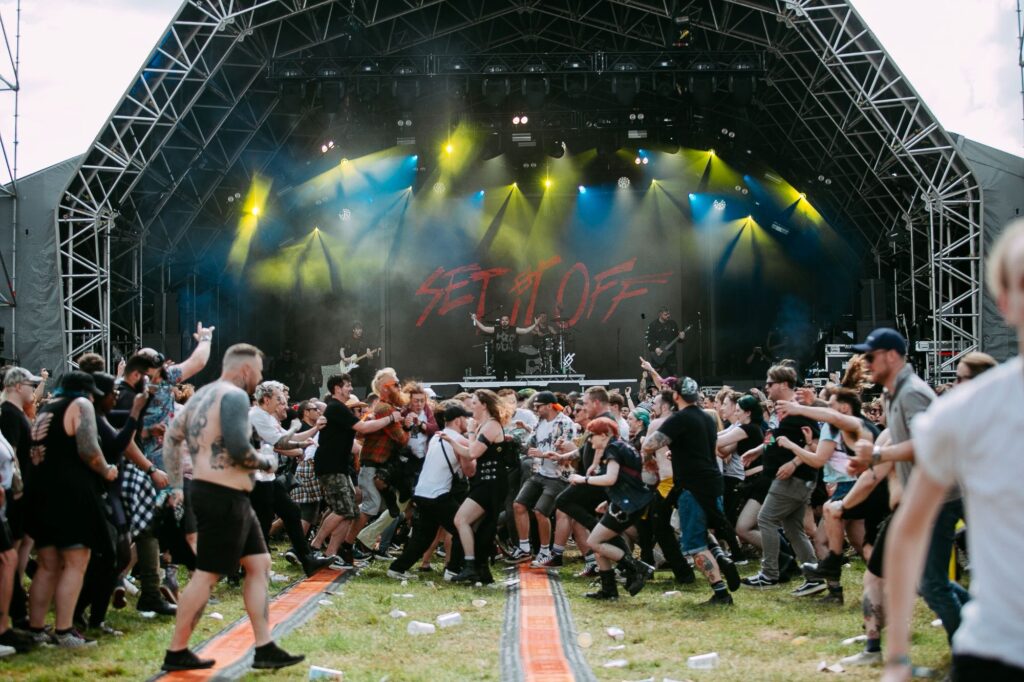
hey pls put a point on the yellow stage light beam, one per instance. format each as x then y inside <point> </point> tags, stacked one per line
<point>252,207</point>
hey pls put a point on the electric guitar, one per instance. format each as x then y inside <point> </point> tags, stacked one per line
<point>350,363</point>
<point>658,360</point>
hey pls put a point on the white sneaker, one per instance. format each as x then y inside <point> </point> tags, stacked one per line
<point>863,658</point>
<point>277,578</point>
<point>449,575</point>
<point>7,650</point>
<point>402,576</point>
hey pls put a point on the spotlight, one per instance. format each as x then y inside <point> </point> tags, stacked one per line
<point>515,120</point>
<point>547,183</point>
<point>344,162</point>
<point>719,204</point>
<point>645,160</point>
<point>524,119</point>
<point>623,182</point>
<point>711,152</point>
<point>323,148</point>
<point>582,189</point>
<point>448,148</point>
<point>637,160</point>
<point>692,196</point>
<point>345,215</point>
<point>802,195</point>
<point>255,210</point>
<point>439,188</point>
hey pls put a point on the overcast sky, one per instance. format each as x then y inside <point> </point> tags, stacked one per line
<point>79,56</point>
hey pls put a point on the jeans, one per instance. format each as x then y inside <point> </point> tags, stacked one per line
<point>944,596</point>
<point>784,507</point>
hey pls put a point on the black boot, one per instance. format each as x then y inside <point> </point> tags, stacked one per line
<point>609,590</point>
<point>829,568</point>
<point>636,572</point>
<point>683,573</point>
<point>468,574</point>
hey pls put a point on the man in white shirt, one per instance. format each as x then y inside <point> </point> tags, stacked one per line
<point>971,437</point>
<point>269,495</point>
<point>540,490</point>
<point>435,505</point>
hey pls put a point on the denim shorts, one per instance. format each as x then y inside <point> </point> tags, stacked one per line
<point>693,523</point>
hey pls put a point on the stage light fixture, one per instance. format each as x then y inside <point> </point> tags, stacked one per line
<point>692,196</point>
<point>547,183</point>
<point>802,195</point>
<point>719,204</point>
<point>637,160</point>
<point>623,182</point>
<point>345,215</point>
<point>582,189</point>
<point>711,152</point>
<point>448,149</point>
<point>256,210</point>
<point>515,120</point>
<point>440,187</point>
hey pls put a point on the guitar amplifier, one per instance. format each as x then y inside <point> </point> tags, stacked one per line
<point>838,348</point>
<point>837,362</point>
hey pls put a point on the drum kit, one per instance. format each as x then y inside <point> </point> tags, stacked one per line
<point>549,354</point>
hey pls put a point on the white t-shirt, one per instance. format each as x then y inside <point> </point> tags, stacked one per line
<point>544,438</point>
<point>837,468</point>
<point>269,431</point>
<point>528,417</point>
<point>436,476</point>
<point>973,436</point>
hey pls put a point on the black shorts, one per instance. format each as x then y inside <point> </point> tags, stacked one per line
<point>873,510</point>
<point>188,519</point>
<point>877,559</point>
<point>619,520</point>
<point>309,511</point>
<point>16,515</point>
<point>6,537</point>
<point>755,488</point>
<point>488,494</point>
<point>227,525</point>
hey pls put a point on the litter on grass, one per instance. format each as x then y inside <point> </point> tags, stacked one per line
<point>417,628</point>
<point>325,602</point>
<point>855,640</point>
<point>317,672</point>
<point>617,647</point>
<point>396,613</point>
<point>671,593</point>
<point>824,667</point>
<point>447,620</point>
<point>479,603</point>
<point>216,616</point>
<point>585,640</point>
<point>617,663</point>
<point>617,634</point>
<point>704,661</point>
<point>404,596</point>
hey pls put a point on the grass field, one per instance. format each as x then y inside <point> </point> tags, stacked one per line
<point>767,635</point>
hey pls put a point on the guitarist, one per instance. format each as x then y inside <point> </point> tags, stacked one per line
<point>660,333</point>
<point>354,346</point>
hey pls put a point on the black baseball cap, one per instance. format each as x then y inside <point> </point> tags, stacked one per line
<point>104,382</point>
<point>545,398</point>
<point>454,411</point>
<point>883,338</point>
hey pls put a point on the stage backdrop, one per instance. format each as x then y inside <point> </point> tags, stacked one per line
<point>413,265</point>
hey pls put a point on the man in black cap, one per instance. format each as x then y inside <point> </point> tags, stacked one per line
<point>65,510</point>
<point>433,499</point>
<point>540,490</point>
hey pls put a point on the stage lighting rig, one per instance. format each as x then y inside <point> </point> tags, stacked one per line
<point>623,182</point>
<point>683,31</point>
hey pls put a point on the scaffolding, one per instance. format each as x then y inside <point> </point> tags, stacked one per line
<point>10,87</point>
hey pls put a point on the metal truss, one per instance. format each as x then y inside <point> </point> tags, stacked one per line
<point>10,87</point>
<point>203,117</point>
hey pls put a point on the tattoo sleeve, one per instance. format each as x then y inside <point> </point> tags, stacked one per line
<point>173,451</point>
<point>87,438</point>
<point>234,424</point>
<point>655,442</point>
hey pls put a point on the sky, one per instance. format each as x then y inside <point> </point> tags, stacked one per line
<point>79,56</point>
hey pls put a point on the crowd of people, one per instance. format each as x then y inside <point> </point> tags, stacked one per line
<point>115,480</point>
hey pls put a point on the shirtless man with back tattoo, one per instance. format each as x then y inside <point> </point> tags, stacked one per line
<point>214,429</point>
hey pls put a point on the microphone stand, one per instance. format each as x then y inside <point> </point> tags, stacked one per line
<point>700,345</point>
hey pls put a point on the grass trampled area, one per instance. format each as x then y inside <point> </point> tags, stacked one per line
<point>757,638</point>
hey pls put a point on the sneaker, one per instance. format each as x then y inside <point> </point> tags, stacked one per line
<point>863,658</point>
<point>760,581</point>
<point>449,575</point>
<point>339,564</point>
<point>439,551</point>
<point>548,561</point>
<point>6,651</point>
<point>720,599</point>
<point>833,597</point>
<point>810,587</point>
<point>169,587</point>
<point>184,660</point>
<point>589,571</point>
<point>271,657</point>
<point>360,555</point>
<point>20,641</point>
<point>291,557</point>
<point>73,639</point>
<point>119,599</point>
<point>109,631</point>
<point>381,555</point>
<point>279,578</point>
<point>44,637</point>
<point>729,572</point>
<point>518,556</point>
<point>131,587</point>
<point>467,575</point>
<point>402,575</point>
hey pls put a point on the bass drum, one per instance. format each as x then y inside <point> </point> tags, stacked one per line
<point>534,363</point>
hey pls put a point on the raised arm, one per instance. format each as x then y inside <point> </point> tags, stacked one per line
<point>201,355</point>
<point>527,330</point>
<point>647,367</point>
<point>480,325</point>
<point>87,440</point>
<point>234,424</point>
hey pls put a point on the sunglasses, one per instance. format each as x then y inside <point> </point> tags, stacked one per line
<point>769,384</point>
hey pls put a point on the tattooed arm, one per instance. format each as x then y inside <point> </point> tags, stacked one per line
<point>173,454</point>
<point>87,440</point>
<point>235,427</point>
<point>655,442</point>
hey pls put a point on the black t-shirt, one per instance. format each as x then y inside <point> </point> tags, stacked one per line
<point>693,437</point>
<point>334,453</point>
<point>754,436</point>
<point>775,456</point>
<point>587,450</point>
<point>506,340</point>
